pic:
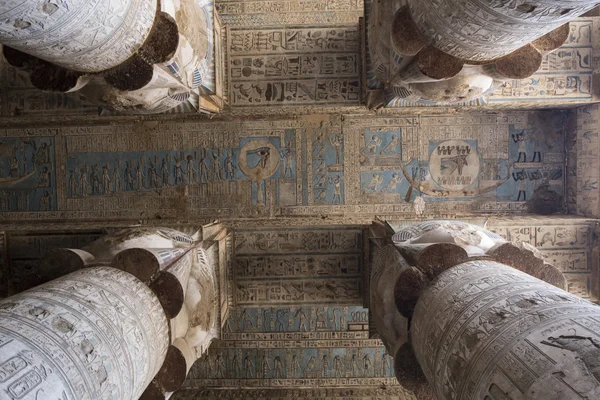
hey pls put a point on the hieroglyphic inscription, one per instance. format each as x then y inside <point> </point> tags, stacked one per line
<point>325,166</point>
<point>286,6</point>
<point>565,74</point>
<point>302,266</point>
<point>305,274</point>
<point>354,393</point>
<point>330,322</point>
<point>292,292</point>
<point>290,12</point>
<point>297,319</point>
<point>271,66</point>
<point>566,245</point>
<point>294,40</point>
<point>298,241</point>
<point>587,167</point>
<point>489,157</point>
<point>318,364</point>
<point>27,174</point>
<point>296,266</point>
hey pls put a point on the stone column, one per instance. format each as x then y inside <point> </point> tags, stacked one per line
<point>483,30</point>
<point>181,272</point>
<point>477,317</point>
<point>483,330</point>
<point>451,52</point>
<point>81,35</point>
<point>98,333</point>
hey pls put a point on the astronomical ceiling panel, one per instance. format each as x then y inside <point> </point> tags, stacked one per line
<point>298,319</point>
<point>327,166</point>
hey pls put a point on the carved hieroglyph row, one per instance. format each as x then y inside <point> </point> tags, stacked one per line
<point>82,336</point>
<point>317,363</point>
<point>290,12</point>
<point>568,245</point>
<point>83,35</point>
<point>287,66</point>
<point>355,393</point>
<point>301,266</point>
<point>587,167</point>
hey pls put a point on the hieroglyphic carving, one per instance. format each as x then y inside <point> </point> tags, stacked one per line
<point>230,171</point>
<point>290,12</point>
<point>294,66</point>
<point>308,303</point>
<point>302,241</point>
<point>318,363</point>
<point>569,260</point>
<point>354,393</point>
<point>230,7</point>
<point>275,266</point>
<point>27,174</point>
<point>82,337</point>
<point>115,29</point>
<point>587,167</point>
<point>568,245</point>
<point>565,75</point>
<point>512,321</point>
<point>293,292</point>
<point>327,261</point>
<point>331,322</point>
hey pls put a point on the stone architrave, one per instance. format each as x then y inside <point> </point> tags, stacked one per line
<point>98,333</point>
<point>484,30</point>
<point>82,35</point>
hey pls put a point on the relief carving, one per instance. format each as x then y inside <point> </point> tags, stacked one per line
<point>489,319</point>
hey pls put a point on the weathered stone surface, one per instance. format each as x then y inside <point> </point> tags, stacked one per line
<point>409,285</point>
<point>434,258</point>
<point>53,32</point>
<point>519,64</point>
<point>406,38</point>
<point>514,25</point>
<point>517,324</point>
<point>552,40</point>
<point>410,375</point>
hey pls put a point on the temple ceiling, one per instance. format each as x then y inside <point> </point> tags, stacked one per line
<point>298,166</point>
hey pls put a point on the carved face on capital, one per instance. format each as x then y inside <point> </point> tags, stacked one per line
<point>472,237</point>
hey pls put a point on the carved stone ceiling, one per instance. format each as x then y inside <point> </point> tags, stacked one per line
<point>298,188</point>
